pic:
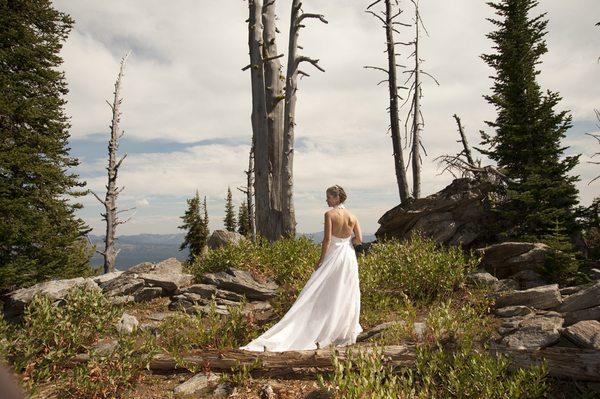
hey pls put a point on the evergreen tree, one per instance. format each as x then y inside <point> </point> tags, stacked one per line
<point>528,132</point>
<point>205,219</point>
<point>244,227</point>
<point>193,223</point>
<point>229,218</point>
<point>40,235</point>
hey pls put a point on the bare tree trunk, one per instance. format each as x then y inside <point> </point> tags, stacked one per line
<point>416,124</point>
<point>259,120</point>
<point>463,139</point>
<point>392,80</point>
<point>110,214</point>
<point>248,190</point>
<point>291,86</point>
<point>274,106</point>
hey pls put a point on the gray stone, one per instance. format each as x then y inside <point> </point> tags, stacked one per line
<point>420,328</point>
<point>585,334</point>
<point>207,291</point>
<point>482,279</point>
<point>375,331</point>
<point>571,290</point>
<point>196,384</point>
<point>583,299</point>
<point>127,324</point>
<point>170,282</point>
<point>121,299</point>
<point>106,277</point>
<point>544,297</point>
<point>167,266</point>
<point>508,258</point>
<point>534,333</point>
<point>507,284</point>
<point>147,293</point>
<point>510,311</point>
<point>241,282</point>
<point>55,289</point>
<point>594,274</point>
<point>582,314</point>
<point>122,285</point>
<point>220,238</point>
<point>224,390</point>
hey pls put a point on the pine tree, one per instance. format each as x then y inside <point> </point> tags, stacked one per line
<point>244,227</point>
<point>40,235</point>
<point>205,219</point>
<point>193,223</point>
<point>528,132</point>
<point>229,218</point>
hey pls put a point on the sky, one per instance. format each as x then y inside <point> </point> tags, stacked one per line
<point>187,103</point>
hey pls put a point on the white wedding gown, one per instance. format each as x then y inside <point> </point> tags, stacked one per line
<point>327,309</point>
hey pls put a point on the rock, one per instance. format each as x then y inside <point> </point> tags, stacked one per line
<point>121,299</point>
<point>535,333</point>
<point>375,331</point>
<point>528,279</point>
<point>455,215</point>
<point>105,346</point>
<point>159,316</point>
<point>507,284</point>
<point>170,282</point>
<point>150,326</point>
<point>147,293</point>
<point>127,324</point>
<point>419,329</point>
<point>196,384</point>
<point>510,311</point>
<point>207,291</point>
<point>544,297</point>
<point>241,282</point>
<point>199,299</point>
<point>510,324</point>
<point>106,277</point>
<point>266,392</point>
<point>54,289</point>
<point>220,238</point>
<point>508,258</point>
<point>167,266</point>
<point>571,290</point>
<point>586,298</point>
<point>224,390</point>
<point>122,285</point>
<point>594,274</point>
<point>582,314</point>
<point>482,279</point>
<point>261,311</point>
<point>585,334</point>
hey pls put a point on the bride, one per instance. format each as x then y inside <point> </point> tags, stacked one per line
<point>327,309</point>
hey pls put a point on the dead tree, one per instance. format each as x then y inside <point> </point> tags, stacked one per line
<point>387,18</point>
<point>291,87</point>
<point>110,214</point>
<point>415,116</point>
<point>597,137</point>
<point>249,191</point>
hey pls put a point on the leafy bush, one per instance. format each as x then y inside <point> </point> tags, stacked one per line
<point>49,335</point>
<point>419,269</point>
<point>108,375</point>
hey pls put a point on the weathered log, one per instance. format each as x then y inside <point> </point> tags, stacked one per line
<point>401,355</point>
<point>563,362</point>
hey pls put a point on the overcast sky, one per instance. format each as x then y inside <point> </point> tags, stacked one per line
<point>187,105</point>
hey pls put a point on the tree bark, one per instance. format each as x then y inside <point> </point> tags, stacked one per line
<point>109,202</point>
<point>416,125</point>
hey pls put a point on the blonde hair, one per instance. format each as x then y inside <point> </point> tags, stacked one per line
<point>337,191</point>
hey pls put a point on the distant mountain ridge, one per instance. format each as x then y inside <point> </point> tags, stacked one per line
<point>140,248</point>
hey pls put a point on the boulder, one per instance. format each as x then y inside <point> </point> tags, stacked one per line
<point>585,334</point>
<point>455,215</point>
<point>196,384</point>
<point>572,290</point>
<point>594,274</point>
<point>241,282</point>
<point>207,291</point>
<point>535,332</point>
<point>544,297</point>
<point>55,289</point>
<point>123,285</point>
<point>220,238</point>
<point>528,279</point>
<point>482,279</point>
<point>509,258</point>
<point>169,282</point>
<point>106,277</point>
<point>507,284</point>
<point>127,324</point>
<point>511,311</point>
<point>167,266</point>
<point>147,293</point>
<point>586,298</point>
<point>582,314</point>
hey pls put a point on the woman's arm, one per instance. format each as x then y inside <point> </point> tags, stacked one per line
<point>357,234</point>
<point>326,239</point>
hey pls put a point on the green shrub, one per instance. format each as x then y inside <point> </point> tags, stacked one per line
<point>418,268</point>
<point>109,375</point>
<point>50,335</point>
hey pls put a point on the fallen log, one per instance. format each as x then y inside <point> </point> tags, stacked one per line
<point>563,362</point>
<point>397,355</point>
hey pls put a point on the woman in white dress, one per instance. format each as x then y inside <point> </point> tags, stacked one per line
<point>326,312</point>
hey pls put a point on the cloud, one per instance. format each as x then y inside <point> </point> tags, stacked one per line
<point>141,203</point>
<point>187,104</point>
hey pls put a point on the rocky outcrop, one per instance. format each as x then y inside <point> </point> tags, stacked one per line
<point>241,282</point>
<point>508,259</point>
<point>455,215</point>
<point>55,289</point>
<point>585,334</point>
<point>534,332</point>
<point>544,297</point>
<point>583,299</point>
<point>220,238</point>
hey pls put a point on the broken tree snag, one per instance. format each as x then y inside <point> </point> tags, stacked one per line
<point>249,191</point>
<point>563,362</point>
<point>466,149</point>
<point>297,21</point>
<point>274,85</point>
<point>388,18</point>
<point>109,202</point>
<point>399,355</point>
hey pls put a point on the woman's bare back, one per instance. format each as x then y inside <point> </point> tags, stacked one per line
<point>342,222</point>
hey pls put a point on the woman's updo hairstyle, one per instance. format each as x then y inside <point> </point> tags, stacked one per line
<point>338,192</point>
